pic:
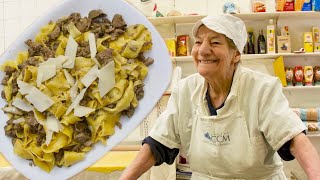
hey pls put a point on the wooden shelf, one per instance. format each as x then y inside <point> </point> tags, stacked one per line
<point>175,19</point>
<point>263,16</point>
<point>313,135</point>
<point>255,56</point>
<point>292,88</point>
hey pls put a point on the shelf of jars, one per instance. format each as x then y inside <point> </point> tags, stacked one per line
<point>244,16</point>
<point>255,56</point>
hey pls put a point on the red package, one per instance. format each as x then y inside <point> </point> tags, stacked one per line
<point>183,45</point>
<point>298,75</point>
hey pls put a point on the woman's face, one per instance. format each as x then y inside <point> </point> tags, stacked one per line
<point>212,55</point>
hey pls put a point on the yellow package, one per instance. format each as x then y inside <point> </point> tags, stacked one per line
<point>171,45</point>
<point>307,42</point>
<point>279,70</point>
<point>298,5</point>
<point>316,39</point>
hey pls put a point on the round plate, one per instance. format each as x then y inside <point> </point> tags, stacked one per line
<point>156,83</point>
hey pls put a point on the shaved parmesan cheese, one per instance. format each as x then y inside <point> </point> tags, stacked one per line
<point>39,100</point>
<point>81,111</point>
<point>71,52</point>
<point>12,110</point>
<point>69,78</point>
<point>106,78</point>
<point>96,61</point>
<point>19,120</point>
<point>56,61</point>
<point>92,44</point>
<point>24,88</point>
<point>49,134</point>
<point>45,72</point>
<point>39,117</point>
<point>91,75</point>
<point>39,78</point>
<point>76,101</point>
<point>21,104</point>
<point>53,124</point>
<point>74,91</point>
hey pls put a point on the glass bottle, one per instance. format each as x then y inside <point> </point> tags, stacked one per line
<point>261,43</point>
<point>250,45</point>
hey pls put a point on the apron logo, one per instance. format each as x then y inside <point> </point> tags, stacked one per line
<point>222,138</point>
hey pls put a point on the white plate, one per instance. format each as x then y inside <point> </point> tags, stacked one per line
<point>156,83</point>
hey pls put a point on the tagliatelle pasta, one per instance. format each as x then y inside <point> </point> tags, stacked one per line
<point>88,72</point>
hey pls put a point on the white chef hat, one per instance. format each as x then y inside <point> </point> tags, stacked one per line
<point>226,24</point>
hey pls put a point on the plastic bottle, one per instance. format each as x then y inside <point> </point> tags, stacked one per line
<point>250,45</point>
<point>271,38</point>
<point>261,43</point>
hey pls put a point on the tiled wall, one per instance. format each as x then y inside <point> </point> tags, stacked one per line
<point>16,15</point>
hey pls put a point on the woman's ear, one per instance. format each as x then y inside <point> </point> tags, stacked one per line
<point>237,56</point>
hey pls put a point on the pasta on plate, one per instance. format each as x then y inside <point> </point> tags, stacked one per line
<point>69,90</point>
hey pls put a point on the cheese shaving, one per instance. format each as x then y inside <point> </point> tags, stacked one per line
<point>81,111</point>
<point>91,75</point>
<point>49,134</point>
<point>71,52</point>
<point>21,104</point>
<point>106,78</point>
<point>76,101</point>
<point>56,61</point>
<point>45,72</point>
<point>39,100</point>
<point>24,88</point>
<point>92,45</point>
<point>53,124</point>
<point>68,76</point>
<point>74,91</point>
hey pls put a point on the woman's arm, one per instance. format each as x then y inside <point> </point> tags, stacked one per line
<point>142,163</point>
<point>307,156</point>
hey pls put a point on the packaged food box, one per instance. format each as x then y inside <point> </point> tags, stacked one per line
<point>316,39</point>
<point>258,5</point>
<point>284,44</point>
<point>183,45</point>
<point>307,42</point>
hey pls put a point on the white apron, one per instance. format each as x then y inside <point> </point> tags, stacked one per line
<point>221,148</point>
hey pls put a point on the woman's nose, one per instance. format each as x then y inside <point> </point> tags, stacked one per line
<point>204,49</point>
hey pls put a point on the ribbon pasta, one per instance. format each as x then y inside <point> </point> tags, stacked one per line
<point>65,138</point>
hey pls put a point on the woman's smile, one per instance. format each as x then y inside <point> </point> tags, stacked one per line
<point>207,61</point>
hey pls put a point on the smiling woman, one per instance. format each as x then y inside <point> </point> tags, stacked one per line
<point>229,121</point>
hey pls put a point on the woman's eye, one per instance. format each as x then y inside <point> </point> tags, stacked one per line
<point>215,42</point>
<point>197,42</point>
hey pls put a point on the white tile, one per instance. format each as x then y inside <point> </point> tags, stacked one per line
<point>11,30</point>
<point>165,6</point>
<point>10,9</point>
<point>1,9</point>
<point>146,8</point>
<point>1,27</point>
<point>192,6</point>
<point>44,6</point>
<point>28,8</point>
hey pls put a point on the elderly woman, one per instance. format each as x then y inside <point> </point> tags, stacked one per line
<point>231,122</point>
